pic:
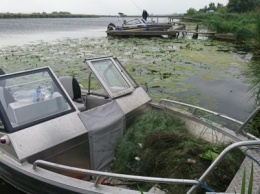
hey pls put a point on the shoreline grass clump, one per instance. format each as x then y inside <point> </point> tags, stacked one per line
<point>160,146</point>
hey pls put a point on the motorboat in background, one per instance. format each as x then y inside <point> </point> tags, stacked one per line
<point>139,24</point>
<point>57,138</point>
<point>139,27</point>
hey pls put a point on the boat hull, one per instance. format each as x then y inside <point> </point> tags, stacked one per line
<point>127,33</point>
<point>28,184</point>
<point>147,28</point>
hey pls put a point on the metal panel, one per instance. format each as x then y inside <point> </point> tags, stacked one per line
<point>7,148</point>
<point>129,103</point>
<point>45,135</point>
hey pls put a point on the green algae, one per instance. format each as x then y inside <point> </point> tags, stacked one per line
<point>166,64</point>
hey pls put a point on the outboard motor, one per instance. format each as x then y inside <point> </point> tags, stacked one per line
<point>111,26</point>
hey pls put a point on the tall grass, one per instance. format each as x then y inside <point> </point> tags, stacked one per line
<point>250,182</point>
<point>253,74</point>
<point>241,25</point>
<point>257,36</point>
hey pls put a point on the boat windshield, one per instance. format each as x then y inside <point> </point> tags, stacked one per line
<point>112,76</point>
<point>31,97</point>
<point>135,22</point>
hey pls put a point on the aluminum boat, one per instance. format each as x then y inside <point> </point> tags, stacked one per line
<point>56,137</point>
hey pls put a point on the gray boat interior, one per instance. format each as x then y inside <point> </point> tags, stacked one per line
<point>62,126</point>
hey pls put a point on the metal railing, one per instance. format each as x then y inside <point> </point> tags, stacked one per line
<point>242,125</point>
<point>248,120</point>
<point>114,175</point>
<point>220,157</point>
<point>195,183</point>
<point>196,108</point>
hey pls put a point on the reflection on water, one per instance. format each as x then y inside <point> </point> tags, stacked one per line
<point>21,39</point>
<point>24,31</point>
<point>231,92</point>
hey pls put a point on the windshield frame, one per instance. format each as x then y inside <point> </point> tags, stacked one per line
<point>9,128</point>
<point>117,66</point>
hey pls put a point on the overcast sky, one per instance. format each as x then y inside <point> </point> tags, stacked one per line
<point>107,7</point>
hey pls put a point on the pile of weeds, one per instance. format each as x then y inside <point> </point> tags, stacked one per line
<point>160,146</point>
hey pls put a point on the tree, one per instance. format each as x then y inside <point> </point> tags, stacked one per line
<point>241,6</point>
<point>221,8</point>
<point>191,11</point>
<point>212,6</point>
<point>205,9</point>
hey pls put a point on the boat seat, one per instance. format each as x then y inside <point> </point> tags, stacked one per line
<point>72,87</point>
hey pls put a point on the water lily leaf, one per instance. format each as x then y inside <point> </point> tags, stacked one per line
<point>209,155</point>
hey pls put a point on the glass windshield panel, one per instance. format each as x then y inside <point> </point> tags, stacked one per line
<point>31,96</point>
<point>134,22</point>
<point>96,87</point>
<point>132,81</point>
<point>110,75</point>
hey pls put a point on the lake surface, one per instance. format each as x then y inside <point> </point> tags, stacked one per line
<point>199,73</point>
<point>25,31</point>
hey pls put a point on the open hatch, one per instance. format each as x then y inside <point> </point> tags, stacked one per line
<point>112,76</point>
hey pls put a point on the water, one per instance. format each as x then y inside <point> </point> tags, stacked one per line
<point>26,31</point>
<point>20,32</point>
<point>231,92</point>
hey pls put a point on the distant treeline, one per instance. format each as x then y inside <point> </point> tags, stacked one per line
<point>67,15</point>
<point>45,15</point>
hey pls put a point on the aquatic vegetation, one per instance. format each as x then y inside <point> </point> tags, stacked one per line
<point>157,145</point>
<point>253,72</point>
<point>166,65</point>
